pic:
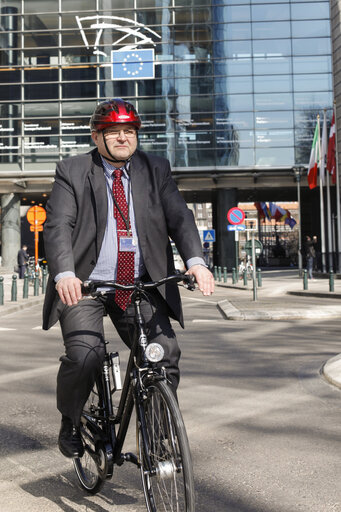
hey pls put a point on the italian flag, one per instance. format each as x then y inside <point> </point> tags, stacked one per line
<point>314,158</point>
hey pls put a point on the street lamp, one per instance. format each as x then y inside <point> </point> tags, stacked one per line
<point>298,171</point>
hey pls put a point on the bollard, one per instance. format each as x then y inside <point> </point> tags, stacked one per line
<point>25,287</point>
<point>305,279</point>
<point>43,281</point>
<point>331,281</point>
<point>1,291</point>
<point>14,290</point>
<point>245,277</point>
<point>215,272</point>
<point>219,274</point>
<point>225,274</point>
<point>36,284</point>
<point>259,277</point>
<point>234,280</point>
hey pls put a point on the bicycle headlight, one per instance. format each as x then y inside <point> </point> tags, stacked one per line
<point>154,352</point>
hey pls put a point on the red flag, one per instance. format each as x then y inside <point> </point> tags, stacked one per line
<point>314,158</point>
<point>331,156</point>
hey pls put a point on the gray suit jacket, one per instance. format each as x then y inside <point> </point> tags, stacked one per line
<point>76,221</point>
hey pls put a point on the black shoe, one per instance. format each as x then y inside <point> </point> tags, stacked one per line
<point>69,440</point>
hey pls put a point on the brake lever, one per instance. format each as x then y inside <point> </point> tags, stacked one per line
<point>190,284</point>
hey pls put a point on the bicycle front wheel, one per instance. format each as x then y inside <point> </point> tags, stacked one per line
<point>165,459</point>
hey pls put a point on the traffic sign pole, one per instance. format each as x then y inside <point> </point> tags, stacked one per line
<point>254,268</point>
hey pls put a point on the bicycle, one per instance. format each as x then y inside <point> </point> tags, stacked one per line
<point>163,453</point>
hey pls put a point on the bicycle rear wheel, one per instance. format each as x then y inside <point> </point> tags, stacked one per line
<point>169,485</point>
<point>91,468</point>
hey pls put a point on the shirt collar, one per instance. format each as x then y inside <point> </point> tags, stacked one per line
<point>109,168</point>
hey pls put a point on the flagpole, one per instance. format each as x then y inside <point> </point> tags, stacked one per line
<point>323,173</point>
<point>338,208</point>
<point>323,243</point>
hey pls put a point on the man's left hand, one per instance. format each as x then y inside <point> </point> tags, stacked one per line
<point>203,277</point>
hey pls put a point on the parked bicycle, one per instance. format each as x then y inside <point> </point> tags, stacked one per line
<point>162,451</point>
<point>32,269</point>
<point>245,266</point>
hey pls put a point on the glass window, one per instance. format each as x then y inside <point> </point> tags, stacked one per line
<point>10,110</point>
<point>320,28</point>
<point>78,108</point>
<point>273,83</point>
<point>35,127</point>
<point>33,6</point>
<point>234,84</point>
<point>239,102</point>
<point>240,120</point>
<point>310,11</point>
<point>270,13</point>
<point>10,39</point>
<point>271,30</point>
<point>266,120</point>
<point>312,100</point>
<point>10,93</point>
<point>191,16</point>
<point>232,31</point>
<point>9,58</point>
<point>47,109</point>
<point>318,82</point>
<point>79,73</point>
<point>79,90</point>
<point>274,138</point>
<point>86,5</point>
<point>71,126</point>
<point>40,39</point>
<point>312,64</point>
<point>273,101</point>
<point>34,144</point>
<point>315,46</point>
<point>11,6</point>
<point>231,13</point>
<point>7,76</point>
<point>275,156</point>
<point>41,75</point>
<point>72,145</point>
<point>232,136</point>
<point>41,91</point>
<point>272,64</point>
<point>232,67</point>
<point>9,145</point>
<point>236,49</point>
<point>41,22</point>
<point>41,57</point>
<point>273,48</point>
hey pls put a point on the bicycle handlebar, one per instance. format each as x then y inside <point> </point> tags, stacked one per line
<point>91,287</point>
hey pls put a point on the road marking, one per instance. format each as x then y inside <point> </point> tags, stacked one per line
<point>40,327</point>
<point>208,320</point>
<point>7,329</point>
<point>27,374</point>
<point>200,300</point>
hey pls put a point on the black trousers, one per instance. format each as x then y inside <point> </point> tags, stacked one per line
<point>83,334</point>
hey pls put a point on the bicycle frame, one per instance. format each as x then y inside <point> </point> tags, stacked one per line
<point>138,366</point>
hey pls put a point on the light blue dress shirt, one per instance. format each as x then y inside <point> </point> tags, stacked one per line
<point>106,266</point>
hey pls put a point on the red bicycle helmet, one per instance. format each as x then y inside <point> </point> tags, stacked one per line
<point>112,112</point>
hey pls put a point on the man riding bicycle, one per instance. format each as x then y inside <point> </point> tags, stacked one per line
<point>110,215</point>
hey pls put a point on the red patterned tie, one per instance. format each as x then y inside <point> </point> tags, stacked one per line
<point>125,259</point>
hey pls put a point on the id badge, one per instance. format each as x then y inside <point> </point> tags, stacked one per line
<point>127,244</point>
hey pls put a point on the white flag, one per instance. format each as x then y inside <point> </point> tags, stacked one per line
<point>324,148</point>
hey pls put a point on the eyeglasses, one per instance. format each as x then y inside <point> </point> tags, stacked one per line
<point>129,133</point>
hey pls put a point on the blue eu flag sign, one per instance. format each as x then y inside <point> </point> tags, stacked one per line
<point>132,64</point>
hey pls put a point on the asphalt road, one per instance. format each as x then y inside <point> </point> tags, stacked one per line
<point>264,426</point>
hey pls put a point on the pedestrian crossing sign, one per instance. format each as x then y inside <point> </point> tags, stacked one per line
<point>209,235</point>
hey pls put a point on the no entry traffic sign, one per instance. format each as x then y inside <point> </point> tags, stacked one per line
<point>235,216</point>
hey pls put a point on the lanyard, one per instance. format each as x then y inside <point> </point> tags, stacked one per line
<point>125,220</point>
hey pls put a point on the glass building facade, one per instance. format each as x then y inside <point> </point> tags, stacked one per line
<point>230,84</point>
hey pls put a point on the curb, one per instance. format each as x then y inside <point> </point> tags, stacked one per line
<point>331,370</point>
<point>7,309</point>
<point>230,312</point>
<point>322,295</point>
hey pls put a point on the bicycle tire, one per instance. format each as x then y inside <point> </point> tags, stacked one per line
<point>171,486</point>
<point>91,467</point>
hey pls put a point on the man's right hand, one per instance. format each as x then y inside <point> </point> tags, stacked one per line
<point>69,290</point>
